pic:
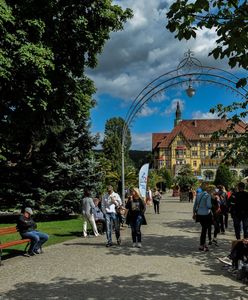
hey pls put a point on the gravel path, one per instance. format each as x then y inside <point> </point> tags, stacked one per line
<point>168,266</point>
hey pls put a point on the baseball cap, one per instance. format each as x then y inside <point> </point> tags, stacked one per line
<point>29,210</point>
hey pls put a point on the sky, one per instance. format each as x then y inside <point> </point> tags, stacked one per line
<point>143,51</point>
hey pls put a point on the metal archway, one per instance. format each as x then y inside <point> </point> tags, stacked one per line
<point>189,71</point>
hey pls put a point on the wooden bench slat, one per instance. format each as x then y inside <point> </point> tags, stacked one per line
<point>13,243</point>
<point>8,230</point>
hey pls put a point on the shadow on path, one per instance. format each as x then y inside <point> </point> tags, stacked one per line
<point>142,286</point>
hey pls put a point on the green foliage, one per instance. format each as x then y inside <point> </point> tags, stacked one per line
<point>224,176</point>
<point>112,143</point>
<point>154,178</point>
<point>139,158</point>
<point>45,97</point>
<point>185,178</point>
<point>229,18</point>
<point>167,177</point>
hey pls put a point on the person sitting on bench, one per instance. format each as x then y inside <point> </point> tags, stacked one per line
<point>27,229</point>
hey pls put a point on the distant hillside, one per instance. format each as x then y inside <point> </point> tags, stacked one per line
<point>140,157</point>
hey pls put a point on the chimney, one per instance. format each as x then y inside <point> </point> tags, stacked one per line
<point>194,123</point>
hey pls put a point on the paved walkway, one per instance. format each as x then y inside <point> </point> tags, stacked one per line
<point>169,266</point>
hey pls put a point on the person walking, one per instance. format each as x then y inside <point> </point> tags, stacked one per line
<point>202,209</point>
<point>110,201</point>
<point>136,210</point>
<point>156,197</point>
<point>87,212</point>
<point>240,211</point>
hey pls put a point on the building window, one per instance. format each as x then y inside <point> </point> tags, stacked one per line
<point>194,153</point>
<point>203,154</point>
<point>180,153</point>
<point>180,143</point>
<point>194,163</point>
<point>210,153</point>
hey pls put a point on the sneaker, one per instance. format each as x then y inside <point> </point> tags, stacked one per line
<point>225,260</point>
<point>201,248</point>
<point>119,241</point>
<point>206,248</point>
<point>215,242</point>
<point>139,245</point>
<point>134,245</point>
<point>37,251</point>
<point>210,243</point>
<point>109,244</point>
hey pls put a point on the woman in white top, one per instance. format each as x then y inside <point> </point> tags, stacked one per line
<point>87,212</point>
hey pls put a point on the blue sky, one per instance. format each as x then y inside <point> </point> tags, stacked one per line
<point>144,50</point>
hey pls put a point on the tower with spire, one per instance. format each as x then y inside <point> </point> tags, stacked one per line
<point>178,115</point>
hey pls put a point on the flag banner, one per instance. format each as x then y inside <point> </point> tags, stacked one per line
<point>143,174</point>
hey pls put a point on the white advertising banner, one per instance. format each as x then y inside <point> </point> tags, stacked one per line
<point>143,175</point>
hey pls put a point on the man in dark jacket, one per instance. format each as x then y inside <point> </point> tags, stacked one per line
<point>27,229</point>
<point>240,211</point>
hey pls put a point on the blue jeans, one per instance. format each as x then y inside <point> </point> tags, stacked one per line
<point>135,227</point>
<point>110,219</point>
<point>37,239</point>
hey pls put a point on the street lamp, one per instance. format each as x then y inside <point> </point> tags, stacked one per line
<point>190,91</point>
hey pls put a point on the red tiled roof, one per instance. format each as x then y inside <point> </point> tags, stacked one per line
<point>191,129</point>
<point>157,138</point>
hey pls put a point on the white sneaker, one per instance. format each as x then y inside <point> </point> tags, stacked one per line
<point>134,245</point>
<point>139,245</point>
<point>226,260</point>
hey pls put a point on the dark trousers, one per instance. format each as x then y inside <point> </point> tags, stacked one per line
<point>206,223</point>
<point>237,225</point>
<point>135,227</point>
<point>216,226</point>
<point>156,206</point>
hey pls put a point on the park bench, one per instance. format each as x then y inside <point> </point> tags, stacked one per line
<point>10,230</point>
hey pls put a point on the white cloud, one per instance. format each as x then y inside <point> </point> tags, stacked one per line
<point>144,50</point>
<point>173,106</point>
<point>142,141</point>
<point>147,111</point>
<point>204,115</point>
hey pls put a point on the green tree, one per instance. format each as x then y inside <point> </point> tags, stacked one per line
<point>112,143</point>
<point>228,18</point>
<point>224,176</point>
<point>185,178</point>
<point>45,97</point>
<point>154,178</point>
<point>167,178</point>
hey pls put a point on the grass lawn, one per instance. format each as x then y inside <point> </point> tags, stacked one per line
<point>58,231</point>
